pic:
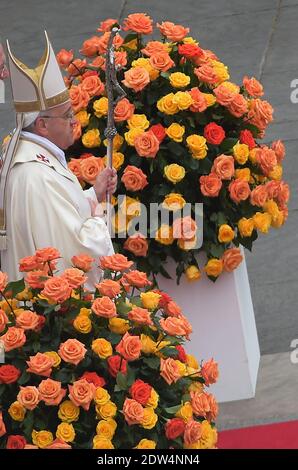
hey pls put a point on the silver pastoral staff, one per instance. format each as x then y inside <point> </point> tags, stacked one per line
<point>112,86</point>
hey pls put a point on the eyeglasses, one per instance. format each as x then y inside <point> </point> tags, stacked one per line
<point>70,115</point>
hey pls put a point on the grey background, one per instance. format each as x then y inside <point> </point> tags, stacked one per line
<point>255,37</point>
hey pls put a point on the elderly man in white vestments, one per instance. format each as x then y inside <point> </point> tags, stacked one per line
<point>41,202</point>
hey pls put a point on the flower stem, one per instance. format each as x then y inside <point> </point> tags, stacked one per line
<point>2,293</point>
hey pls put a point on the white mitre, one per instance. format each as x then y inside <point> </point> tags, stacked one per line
<point>33,90</point>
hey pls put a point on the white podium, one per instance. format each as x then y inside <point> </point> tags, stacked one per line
<point>224,327</point>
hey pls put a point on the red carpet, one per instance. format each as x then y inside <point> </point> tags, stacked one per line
<point>268,436</point>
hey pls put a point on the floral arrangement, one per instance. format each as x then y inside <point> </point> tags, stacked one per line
<point>104,369</point>
<point>186,134</point>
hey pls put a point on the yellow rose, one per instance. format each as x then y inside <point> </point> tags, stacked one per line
<point>183,100</point>
<point>197,144</point>
<point>42,438</point>
<point>102,348</point>
<point>207,440</point>
<point>225,234</point>
<point>149,419</point>
<point>175,132</point>
<point>66,432</point>
<point>210,99</point>
<point>174,172</point>
<point>276,173</point>
<point>4,305</point>
<point>82,324</point>
<point>253,155</point>
<point>146,444</point>
<point>196,387</point>
<point>164,235</point>
<point>153,400</point>
<point>179,80</point>
<point>138,120</point>
<point>68,411</point>
<point>120,223</point>
<point>117,160</point>
<point>150,299</point>
<point>118,325</point>
<point>18,311</point>
<point>185,412</point>
<point>167,105</point>
<point>102,396</point>
<point>190,40</point>
<point>243,174</point>
<point>106,428</point>
<point>17,411</point>
<point>117,142</point>
<point>191,361</point>
<point>221,71</point>
<point>182,368</point>
<point>246,227</point>
<point>133,45</point>
<point>91,138</point>
<point>101,107</point>
<point>193,273</point>
<point>148,345</point>
<point>214,267</point>
<point>108,410</point>
<point>187,244</point>
<point>241,153</point>
<point>53,355</point>
<point>262,221</point>
<point>83,117</point>
<point>131,207</point>
<point>101,442</point>
<point>173,202</point>
<point>131,135</point>
<point>85,311</point>
<point>145,63</point>
<point>26,294</point>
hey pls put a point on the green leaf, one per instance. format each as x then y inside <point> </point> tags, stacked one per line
<point>228,144</point>
<point>16,287</point>
<point>165,74</point>
<point>152,362</point>
<point>170,352</point>
<point>164,272</point>
<point>173,409</point>
<point>121,380</point>
<point>24,378</point>
<point>176,148</point>
<point>123,308</point>
<point>2,389</point>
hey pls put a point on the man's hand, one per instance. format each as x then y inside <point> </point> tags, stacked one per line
<point>106,182</point>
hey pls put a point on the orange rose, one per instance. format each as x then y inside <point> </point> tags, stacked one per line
<point>272,189</point>
<point>137,279</point>
<point>64,58</point>
<point>99,62</point>
<point>27,320</point>
<point>104,39</point>
<point>90,46</point>
<point>253,87</point>
<point>192,432</point>
<point>225,93</point>
<point>223,166</point>
<point>172,309</point>
<point>74,166</point>
<point>2,425</point>
<point>81,393</point>
<point>3,281</point>
<point>79,98</point>
<point>169,370</point>
<point>115,262</point>
<point>154,47</point>
<point>14,338</point>
<point>209,371</point>
<point>134,179</point>
<point>93,86</point>
<point>260,113</point>
<point>130,347</point>
<point>146,144</point>
<point>206,74</point>
<point>29,264</point>
<point>107,25</point>
<point>267,160</point>
<point>140,315</point>
<point>239,106</point>
<point>40,364</point>
<point>210,185</point>
<point>43,255</point>
<point>199,101</point>
<point>173,326</point>
<point>90,168</point>
<point>56,444</point>
<point>184,228</point>
<point>76,67</point>
<point>104,307</point>
<point>136,244</point>
<point>109,288</point>
<point>28,397</point>
<point>72,351</point>
<point>57,289</point>
<point>51,392</point>
<point>283,194</point>
<point>133,411</point>
<point>77,130</point>
<point>136,78</point>
<point>138,22</point>
<point>123,110</point>
<point>3,320</point>
<point>239,190</point>
<point>161,61</point>
<point>279,149</point>
<point>231,259</point>
<point>172,31</point>
<point>75,277</point>
<point>83,262</point>
<point>36,279</point>
<point>259,195</point>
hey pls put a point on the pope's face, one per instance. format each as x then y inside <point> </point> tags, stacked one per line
<point>58,125</point>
